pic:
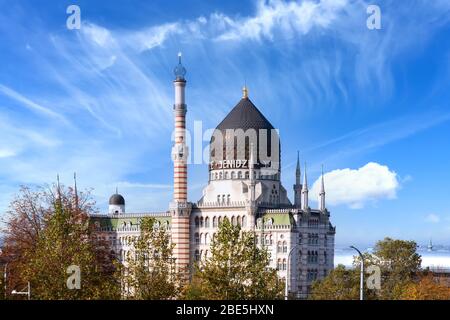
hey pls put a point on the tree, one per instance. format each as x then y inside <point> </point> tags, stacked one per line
<point>237,269</point>
<point>149,271</point>
<point>24,220</point>
<point>398,261</point>
<point>427,288</point>
<point>341,284</point>
<point>58,235</point>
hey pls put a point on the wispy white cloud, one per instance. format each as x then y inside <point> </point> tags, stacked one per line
<point>358,187</point>
<point>31,104</point>
<point>433,218</point>
<point>6,153</point>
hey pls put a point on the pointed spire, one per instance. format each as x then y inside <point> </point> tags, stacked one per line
<point>75,189</point>
<point>117,190</point>
<point>305,180</point>
<point>58,187</point>
<point>322,194</point>
<point>297,170</point>
<point>322,187</point>
<point>305,204</point>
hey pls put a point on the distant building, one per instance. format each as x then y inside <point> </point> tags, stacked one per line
<point>245,188</point>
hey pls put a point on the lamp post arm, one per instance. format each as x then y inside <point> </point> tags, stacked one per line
<point>361,282</point>
<point>286,289</point>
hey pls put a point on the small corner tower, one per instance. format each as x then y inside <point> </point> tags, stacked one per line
<point>116,203</point>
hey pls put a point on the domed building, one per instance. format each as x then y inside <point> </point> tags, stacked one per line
<point>244,186</point>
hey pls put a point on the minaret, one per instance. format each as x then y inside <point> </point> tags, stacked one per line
<point>297,185</point>
<point>322,194</point>
<point>305,205</point>
<point>179,151</point>
<point>179,207</point>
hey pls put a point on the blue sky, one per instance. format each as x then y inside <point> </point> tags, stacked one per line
<point>371,105</point>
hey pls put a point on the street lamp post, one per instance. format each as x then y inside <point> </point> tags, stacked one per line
<point>28,292</point>
<point>361,283</point>
<point>4,278</point>
<point>286,291</point>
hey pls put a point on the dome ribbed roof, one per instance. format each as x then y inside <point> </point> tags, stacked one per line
<point>117,199</point>
<point>245,115</point>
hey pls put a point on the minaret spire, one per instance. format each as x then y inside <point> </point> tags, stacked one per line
<point>297,170</point>
<point>305,204</point>
<point>58,187</point>
<point>298,185</point>
<point>322,193</point>
<point>75,189</point>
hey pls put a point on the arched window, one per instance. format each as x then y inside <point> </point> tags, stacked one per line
<point>279,248</point>
<point>201,222</point>
<point>244,221</point>
<point>233,175</point>
<point>220,175</point>
<point>196,222</point>
<point>202,238</point>
<point>197,238</point>
<point>218,198</point>
<point>239,222</point>
<point>223,198</point>
<point>284,247</point>
<point>240,175</point>
<point>207,222</point>
<point>233,221</point>
<point>214,222</point>
<point>220,221</point>
<point>228,199</point>
<point>279,265</point>
<point>284,264</point>
<point>206,238</point>
<point>247,175</point>
<point>197,255</point>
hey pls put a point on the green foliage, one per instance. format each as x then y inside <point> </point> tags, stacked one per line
<point>237,269</point>
<point>398,261</point>
<point>67,241</point>
<point>59,236</point>
<point>149,271</point>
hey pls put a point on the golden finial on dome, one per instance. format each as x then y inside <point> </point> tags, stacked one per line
<point>245,92</point>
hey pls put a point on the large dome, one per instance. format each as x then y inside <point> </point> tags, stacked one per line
<point>245,115</point>
<point>117,199</point>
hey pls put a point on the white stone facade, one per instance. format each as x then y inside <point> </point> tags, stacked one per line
<point>300,239</point>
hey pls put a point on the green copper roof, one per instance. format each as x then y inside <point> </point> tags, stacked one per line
<point>113,222</point>
<point>279,218</point>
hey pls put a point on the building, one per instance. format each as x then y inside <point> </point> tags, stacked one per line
<point>244,186</point>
